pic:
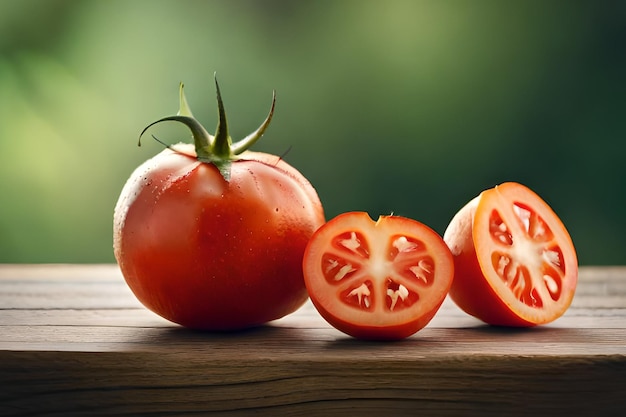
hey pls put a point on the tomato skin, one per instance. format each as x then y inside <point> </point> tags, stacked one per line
<point>212,254</point>
<point>383,267</point>
<point>479,289</point>
<point>470,289</point>
<point>370,332</point>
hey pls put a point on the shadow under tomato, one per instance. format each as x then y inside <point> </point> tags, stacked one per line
<point>492,329</point>
<point>184,332</point>
<point>480,339</point>
<point>346,342</point>
<point>535,333</point>
<point>252,337</point>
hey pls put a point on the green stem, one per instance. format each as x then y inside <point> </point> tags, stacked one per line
<point>202,138</point>
<point>218,150</point>
<point>222,142</point>
<point>245,143</point>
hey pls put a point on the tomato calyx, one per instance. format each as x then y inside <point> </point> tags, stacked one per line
<point>217,149</point>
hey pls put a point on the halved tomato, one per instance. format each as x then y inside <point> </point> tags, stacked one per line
<point>377,280</point>
<point>515,263</point>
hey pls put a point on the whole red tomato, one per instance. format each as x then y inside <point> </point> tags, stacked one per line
<point>212,236</point>
<point>515,263</point>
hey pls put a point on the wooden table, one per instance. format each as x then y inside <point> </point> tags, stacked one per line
<point>74,341</point>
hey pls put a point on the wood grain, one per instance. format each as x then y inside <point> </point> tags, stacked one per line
<point>75,341</point>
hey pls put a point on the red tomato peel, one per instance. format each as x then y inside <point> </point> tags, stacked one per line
<point>515,263</point>
<point>377,280</point>
<point>212,236</point>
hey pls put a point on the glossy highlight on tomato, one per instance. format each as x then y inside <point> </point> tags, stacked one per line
<point>381,279</point>
<point>515,263</point>
<point>211,235</point>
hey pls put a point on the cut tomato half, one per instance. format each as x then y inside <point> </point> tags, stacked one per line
<point>377,280</point>
<point>515,262</point>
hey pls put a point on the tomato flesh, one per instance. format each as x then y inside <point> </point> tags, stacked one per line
<point>515,262</point>
<point>377,280</point>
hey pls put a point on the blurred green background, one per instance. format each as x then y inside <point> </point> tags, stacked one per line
<point>410,107</point>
